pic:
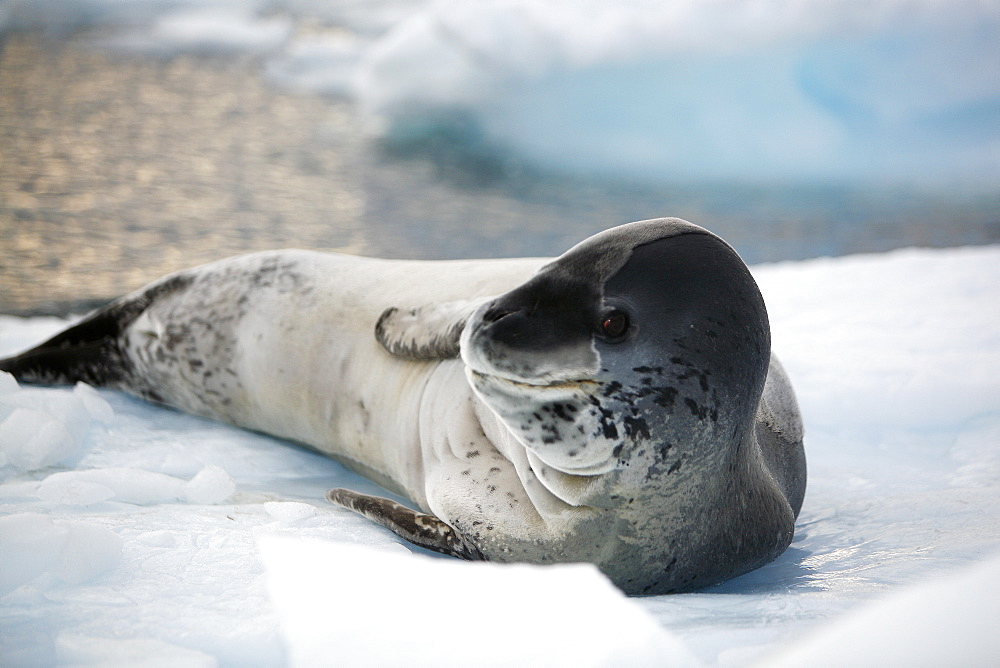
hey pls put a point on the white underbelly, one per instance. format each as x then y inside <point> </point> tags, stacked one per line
<point>313,371</point>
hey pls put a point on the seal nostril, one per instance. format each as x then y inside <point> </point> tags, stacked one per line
<point>495,314</point>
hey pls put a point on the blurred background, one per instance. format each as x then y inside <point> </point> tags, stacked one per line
<point>141,137</point>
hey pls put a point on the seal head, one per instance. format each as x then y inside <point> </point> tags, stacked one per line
<point>632,368</point>
<point>596,351</point>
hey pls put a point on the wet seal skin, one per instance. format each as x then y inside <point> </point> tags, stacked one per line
<point>617,405</point>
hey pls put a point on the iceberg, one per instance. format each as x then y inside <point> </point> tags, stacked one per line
<point>875,92</point>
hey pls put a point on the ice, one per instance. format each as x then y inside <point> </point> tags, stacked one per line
<point>39,428</point>
<point>98,408</point>
<point>289,511</point>
<point>321,63</point>
<point>80,650</point>
<point>73,551</point>
<point>132,485</point>
<point>210,486</point>
<point>211,29</point>
<point>72,489</point>
<point>960,611</point>
<point>152,539</point>
<point>881,328</point>
<point>31,545</point>
<point>129,485</point>
<point>8,384</point>
<point>860,91</point>
<point>865,91</point>
<point>327,597</point>
<point>89,551</point>
<point>31,439</point>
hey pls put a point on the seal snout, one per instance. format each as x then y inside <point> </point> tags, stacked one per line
<point>495,313</point>
<point>539,333</point>
<point>510,327</point>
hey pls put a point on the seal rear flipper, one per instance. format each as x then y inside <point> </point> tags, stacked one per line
<point>91,350</point>
<point>418,528</point>
<point>87,351</point>
<point>425,333</point>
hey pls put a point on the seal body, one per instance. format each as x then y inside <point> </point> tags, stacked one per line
<point>617,405</point>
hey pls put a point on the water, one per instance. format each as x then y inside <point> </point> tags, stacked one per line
<point>118,166</point>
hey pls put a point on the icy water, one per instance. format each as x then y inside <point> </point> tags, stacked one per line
<point>117,169</point>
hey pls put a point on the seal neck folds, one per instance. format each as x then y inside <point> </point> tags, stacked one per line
<point>557,423</point>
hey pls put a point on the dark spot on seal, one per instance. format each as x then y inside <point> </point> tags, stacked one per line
<point>664,396</point>
<point>697,411</point>
<point>676,466</point>
<point>661,451</point>
<point>635,427</point>
<point>562,411</point>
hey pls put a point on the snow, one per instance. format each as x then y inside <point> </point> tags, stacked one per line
<point>500,615</point>
<point>960,611</point>
<point>145,535</point>
<point>851,90</point>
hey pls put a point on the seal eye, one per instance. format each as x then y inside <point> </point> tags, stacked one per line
<point>614,325</point>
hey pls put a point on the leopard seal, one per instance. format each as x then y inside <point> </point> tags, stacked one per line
<point>617,405</point>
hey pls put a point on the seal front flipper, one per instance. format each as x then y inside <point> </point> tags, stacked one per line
<point>419,528</point>
<point>430,332</point>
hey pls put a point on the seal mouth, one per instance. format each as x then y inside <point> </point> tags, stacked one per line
<point>558,385</point>
<point>588,471</point>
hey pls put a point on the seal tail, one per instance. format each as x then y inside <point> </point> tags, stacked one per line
<point>91,350</point>
<point>87,351</point>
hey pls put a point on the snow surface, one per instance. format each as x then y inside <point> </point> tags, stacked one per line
<point>132,533</point>
<point>857,90</point>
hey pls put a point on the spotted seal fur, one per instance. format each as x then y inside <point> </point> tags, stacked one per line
<point>617,405</point>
